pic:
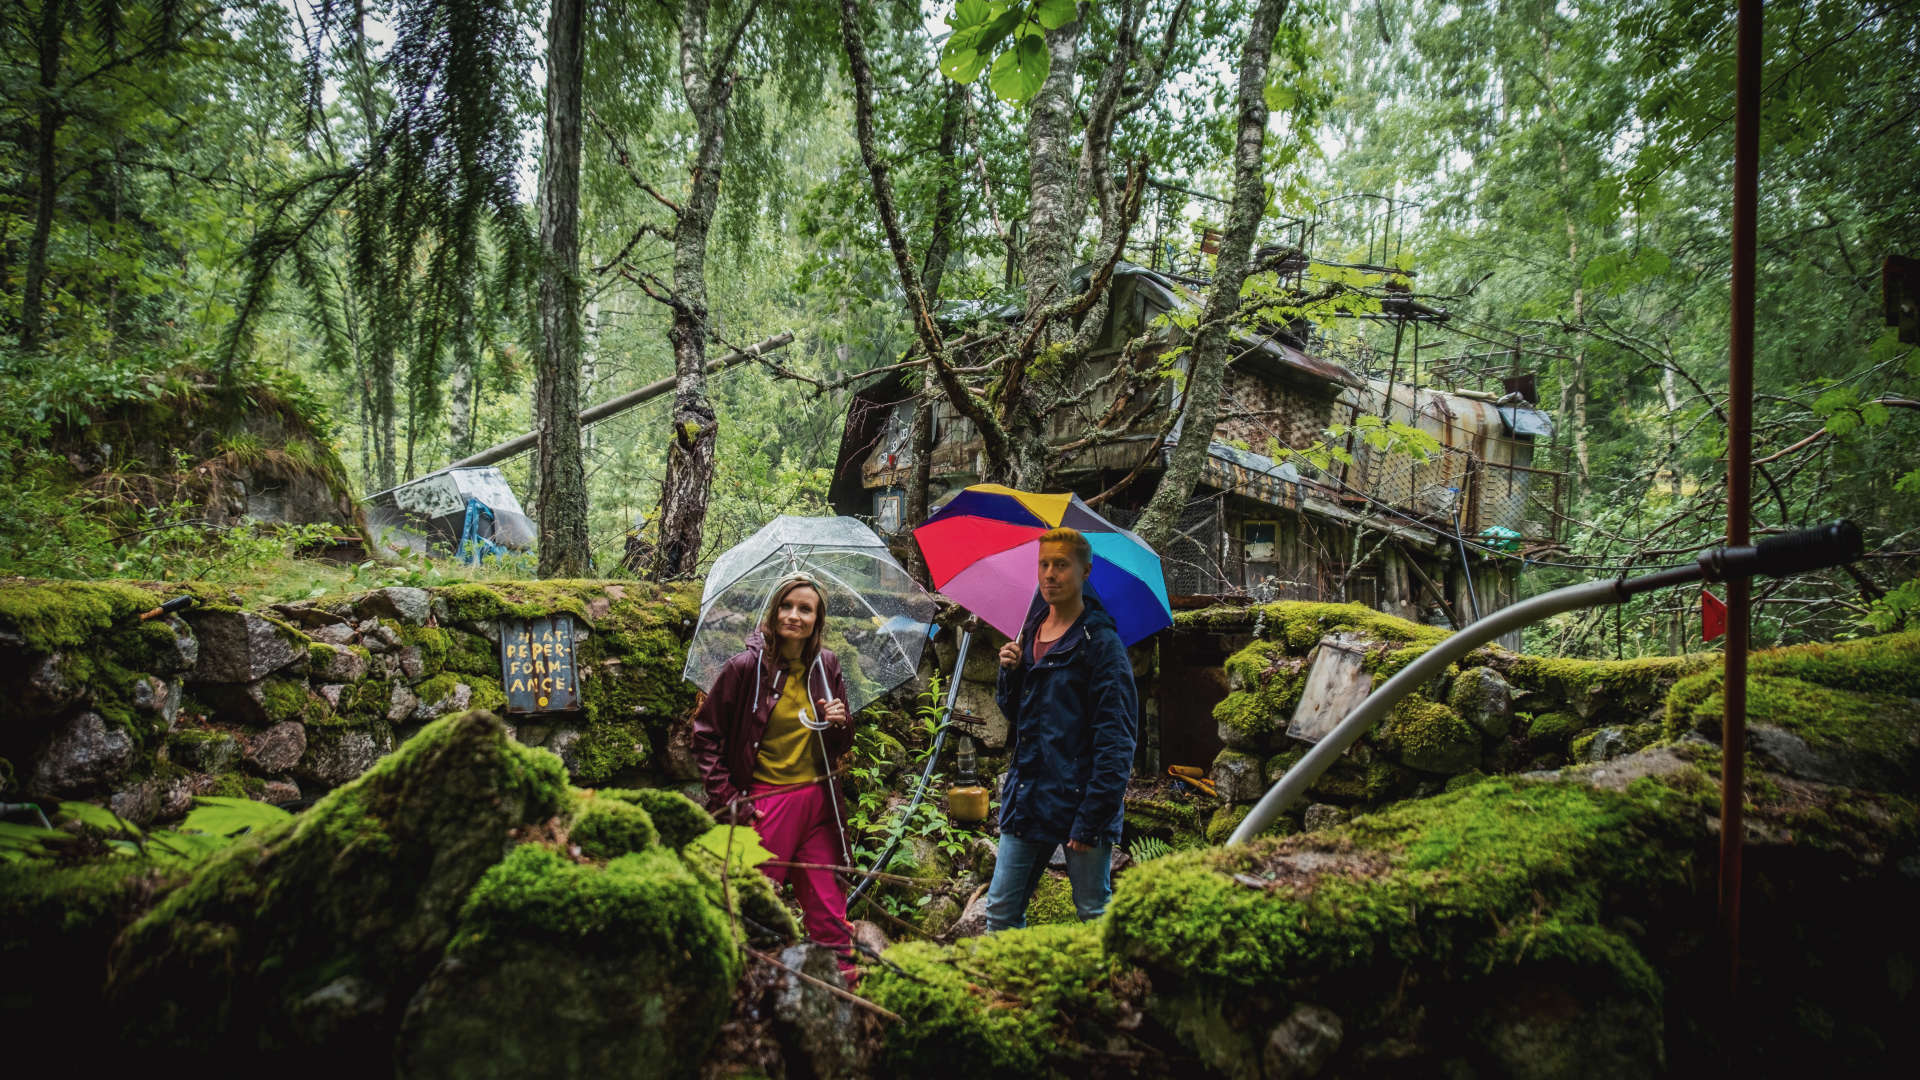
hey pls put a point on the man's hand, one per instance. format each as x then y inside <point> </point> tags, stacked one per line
<point>1010,654</point>
<point>1077,846</point>
<point>834,713</point>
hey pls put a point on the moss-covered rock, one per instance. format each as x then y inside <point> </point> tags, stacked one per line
<point>45,617</point>
<point>56,926</point>
<point>265,942</point>
<point>1429,736</point>
<point>1052,902</point>
<point>1598,690</point>
<point>608,828</point>
<point>1224,820</point>
<point>1264,685</point>
<point>1009,1004</point>
<point>1854,695</point>
<point>631,954</point>
<point>678,819</point>
<point>1497,871</point>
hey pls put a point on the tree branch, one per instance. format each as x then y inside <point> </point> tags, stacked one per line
<point>993,436</point>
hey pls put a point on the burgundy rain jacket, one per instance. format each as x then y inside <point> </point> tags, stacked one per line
<point>729,724</point>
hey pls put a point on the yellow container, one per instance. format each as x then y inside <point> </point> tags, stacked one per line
<point>967,804</point>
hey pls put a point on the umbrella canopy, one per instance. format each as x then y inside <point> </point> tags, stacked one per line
<point>877,615</point>
<point>983,550</point>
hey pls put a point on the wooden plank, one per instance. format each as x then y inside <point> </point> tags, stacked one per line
<point>1336,683</point>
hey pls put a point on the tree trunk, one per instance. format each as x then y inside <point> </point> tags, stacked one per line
<point>1206,372</point>
<point>47,181</point>
<point>563,482</point>
<point>688,485</point>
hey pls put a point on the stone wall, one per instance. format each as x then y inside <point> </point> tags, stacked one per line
<point>1495,712</point>
<point>285,703</point>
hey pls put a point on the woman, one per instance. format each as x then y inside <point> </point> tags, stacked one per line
<point>765,740</point>
<point>1066,688</point>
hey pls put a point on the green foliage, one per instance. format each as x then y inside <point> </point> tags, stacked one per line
<point>1147,848</point>
<point>737,847</point>
<point>1006,38</point>
<point>230,818</point>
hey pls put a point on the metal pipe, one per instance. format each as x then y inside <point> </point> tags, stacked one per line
<point>1833,544</point>
<point>1426,666</point>
<point>1733,735</point>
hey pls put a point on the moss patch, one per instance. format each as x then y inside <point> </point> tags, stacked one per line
<point>53,616</point>
<point>1855,695</point>
<point>1467,882</point>
<point>607,828</point>
<point>1429,736</point>
<point>679,820</point>
<point>998,1005</point>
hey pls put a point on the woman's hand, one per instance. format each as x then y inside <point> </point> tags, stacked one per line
<point>834,712</point>
<point>1010,654</point>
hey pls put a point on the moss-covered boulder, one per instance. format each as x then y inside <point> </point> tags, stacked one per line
<point>678,819</point>
<point>1429,736</point>
<point>1845,714</point>
<point>568,969</point>
<point>1263,687</point>
<point>1017,1003</point>
<point>307,940</point>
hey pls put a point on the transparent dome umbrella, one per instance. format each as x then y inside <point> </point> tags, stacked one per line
<point>877,616</point>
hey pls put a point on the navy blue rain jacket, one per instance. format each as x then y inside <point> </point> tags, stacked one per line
<point>1074,718</point>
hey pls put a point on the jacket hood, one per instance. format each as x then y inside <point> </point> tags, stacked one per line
<point>1095,615</point>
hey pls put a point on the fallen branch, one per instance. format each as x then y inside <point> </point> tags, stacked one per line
<point>844,995</point>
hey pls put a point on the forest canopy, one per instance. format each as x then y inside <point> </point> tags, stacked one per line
<point>423,228</point>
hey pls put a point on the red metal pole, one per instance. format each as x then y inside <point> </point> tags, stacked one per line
<point>1733,740</point>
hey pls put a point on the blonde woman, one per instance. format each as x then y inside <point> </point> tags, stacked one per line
<point>766,738</point>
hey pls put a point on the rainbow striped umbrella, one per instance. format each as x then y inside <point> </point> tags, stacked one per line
<point>983,550</point>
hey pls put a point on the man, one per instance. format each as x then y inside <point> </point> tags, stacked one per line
<point>1066,688</point>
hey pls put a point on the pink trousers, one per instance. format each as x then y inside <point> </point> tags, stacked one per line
<point>797,824</point>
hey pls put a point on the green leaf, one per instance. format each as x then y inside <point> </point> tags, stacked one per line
<point>960,58</point>
<point>1054,14</point>
<point>1908,484</point>
<point>96,817</point>
<point>737,842</point>
<point>26,840</point>
<point>1280,96</point>
<point>1019,71</point>
<point>968,13</point>
<point>227,817</point>
<point>166,844</point>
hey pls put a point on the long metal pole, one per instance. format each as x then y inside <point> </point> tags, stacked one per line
<point>1733,736</point>
<point>1426,666</point>
<point>596,413</point>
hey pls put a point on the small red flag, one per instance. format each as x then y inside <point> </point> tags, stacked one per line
<point>1713,616</point>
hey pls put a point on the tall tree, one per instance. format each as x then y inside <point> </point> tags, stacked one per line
<point>564,550</point>
<point>1206,373</point>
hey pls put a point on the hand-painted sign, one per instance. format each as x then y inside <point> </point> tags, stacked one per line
<point>536,662</point>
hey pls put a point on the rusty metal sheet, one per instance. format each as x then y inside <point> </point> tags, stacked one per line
<point>536,664</point>
<point>1336,683</point>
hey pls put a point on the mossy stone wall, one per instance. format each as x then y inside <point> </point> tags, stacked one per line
<point>288,702</point>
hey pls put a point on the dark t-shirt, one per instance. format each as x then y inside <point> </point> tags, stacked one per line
<point>1040,647</point>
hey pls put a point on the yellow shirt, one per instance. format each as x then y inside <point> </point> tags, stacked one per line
<point>788,750</point>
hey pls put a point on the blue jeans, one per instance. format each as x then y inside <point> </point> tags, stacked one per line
<point>1020,865</point>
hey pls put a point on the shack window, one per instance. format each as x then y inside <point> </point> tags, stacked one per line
<point>1259,538</point>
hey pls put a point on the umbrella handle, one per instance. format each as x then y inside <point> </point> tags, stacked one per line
<point>808,717</point>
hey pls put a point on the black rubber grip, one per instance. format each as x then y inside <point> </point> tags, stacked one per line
<point>1833,544</point>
